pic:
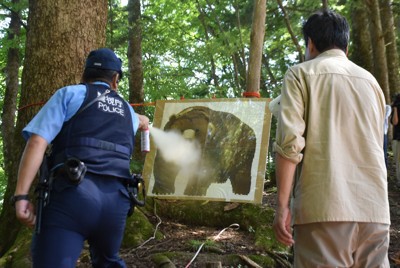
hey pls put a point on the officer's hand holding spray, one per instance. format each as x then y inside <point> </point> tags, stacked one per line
<point>133,186</point>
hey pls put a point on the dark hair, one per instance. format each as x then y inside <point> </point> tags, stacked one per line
<point>94,74</point>
<point>327,30</point>
<point>396,100</point>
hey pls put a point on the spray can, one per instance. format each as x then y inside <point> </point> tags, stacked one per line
<point>145,140</point>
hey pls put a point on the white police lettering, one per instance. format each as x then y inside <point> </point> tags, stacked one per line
<point>110,105</point>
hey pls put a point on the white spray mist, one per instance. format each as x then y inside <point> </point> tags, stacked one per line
<point>175,148</point>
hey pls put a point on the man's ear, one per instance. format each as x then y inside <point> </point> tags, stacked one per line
<point>312,50</point>
<point>115,81</point>
<point>311,45</point>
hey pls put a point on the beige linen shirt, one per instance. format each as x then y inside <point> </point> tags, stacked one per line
<point>331,120</point>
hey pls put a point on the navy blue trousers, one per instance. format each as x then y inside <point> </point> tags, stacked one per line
<point>95,210</point>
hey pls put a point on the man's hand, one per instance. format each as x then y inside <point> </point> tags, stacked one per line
<point>281,226</point>
<point>25,212</point>
<point>143,122</point>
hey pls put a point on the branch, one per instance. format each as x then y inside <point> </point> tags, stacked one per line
<point>289,27</point>
<point>16,13</point>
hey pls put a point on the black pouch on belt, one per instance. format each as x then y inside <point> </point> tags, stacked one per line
<point>75,169</point>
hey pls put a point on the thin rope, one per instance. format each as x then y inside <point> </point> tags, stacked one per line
<point>245,94</point>
<point>155,231</point>
<point>43,102</point>
<point>30,105</point>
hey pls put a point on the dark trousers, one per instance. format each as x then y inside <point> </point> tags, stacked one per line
<point>95,210</point>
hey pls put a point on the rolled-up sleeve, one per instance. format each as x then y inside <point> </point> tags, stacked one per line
<point>290,140</point>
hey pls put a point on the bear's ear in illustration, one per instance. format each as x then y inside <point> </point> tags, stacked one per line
<point>172,118</point>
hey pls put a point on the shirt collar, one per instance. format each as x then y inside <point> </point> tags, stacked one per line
<point>333,52</point>
<point>100,83</point>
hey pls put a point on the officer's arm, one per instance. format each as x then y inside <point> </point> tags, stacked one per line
<point>28,167</point>
<point>30,163</point>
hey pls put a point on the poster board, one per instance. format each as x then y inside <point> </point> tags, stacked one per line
<point>233,136</point>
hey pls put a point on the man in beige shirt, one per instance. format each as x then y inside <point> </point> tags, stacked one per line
<point>330,119</point>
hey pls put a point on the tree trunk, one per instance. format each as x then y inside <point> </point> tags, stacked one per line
<point>378,49</point>
<point>291,32</point>
<point>202,15</point>
<point>325,4</point>
<point>136,94</point>
<point>238,59</point>
<point>135,53</point>
<point>256,47</point>
<point>60,36</point>
<point>361,52</point>
<point>242,46</point>
<point>10,106</point>
<point>392,55</point>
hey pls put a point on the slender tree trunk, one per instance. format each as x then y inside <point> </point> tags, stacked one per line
<point>135,52</point>
<point>202,16</point>
<point>361,53</point>
<point>236,74</point>
<point>256,47</point>
<point>378,49</point>
<point>392,55</point>
<point>238,59</point>
<point>299,48</point>
<point>136,93</point>
<point>10,107</point>
<point>273,80</point>
<point>325,4</point>
<point>61,34</point>
<point>12,86</point>
<point>238,25</point>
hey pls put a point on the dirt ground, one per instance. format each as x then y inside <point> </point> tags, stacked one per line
<point>187,239</point>
<point>394,201</point>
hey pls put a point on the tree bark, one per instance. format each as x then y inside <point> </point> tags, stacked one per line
<point>60,36</point>
<point>256,47</point>
<point>9,105</point>
<point>392,55</point>
<point>135,66</point>
<point>361,52</point>
<point>378,49</point>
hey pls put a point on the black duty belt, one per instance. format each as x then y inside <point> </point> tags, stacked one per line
<point>99,144</point>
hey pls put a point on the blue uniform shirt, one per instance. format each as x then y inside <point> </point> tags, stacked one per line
<point>60,108</point>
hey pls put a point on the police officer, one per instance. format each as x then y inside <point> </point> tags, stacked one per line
<point>92,125</point>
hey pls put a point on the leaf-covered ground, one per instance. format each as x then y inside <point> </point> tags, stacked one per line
<point>182,242</point>
<point>394,200</point>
